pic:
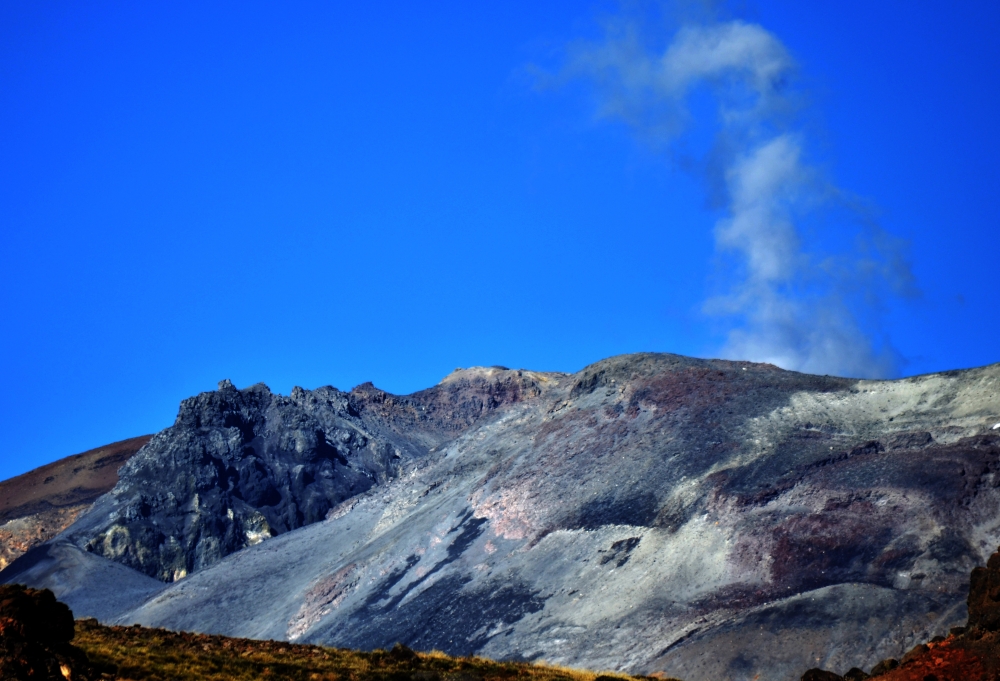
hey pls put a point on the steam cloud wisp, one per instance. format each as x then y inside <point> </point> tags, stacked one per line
<point>797,307</point>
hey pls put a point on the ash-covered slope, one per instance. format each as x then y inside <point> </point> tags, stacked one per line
<point>708,519</point>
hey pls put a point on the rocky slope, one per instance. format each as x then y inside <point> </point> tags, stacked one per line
<point>241,466</point>
<point>651,514</point>
<point>35,632</point>
<point>40,504</point>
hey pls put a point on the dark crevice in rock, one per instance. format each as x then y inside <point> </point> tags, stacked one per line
<point>620,551</point>
<point>626,508</point>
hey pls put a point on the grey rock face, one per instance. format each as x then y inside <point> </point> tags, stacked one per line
<point>241,466</point>
<point>651,513</point>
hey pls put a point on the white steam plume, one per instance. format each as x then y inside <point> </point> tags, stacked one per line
<point>790,302</point>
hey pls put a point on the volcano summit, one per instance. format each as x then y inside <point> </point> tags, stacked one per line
<point>650,513</point>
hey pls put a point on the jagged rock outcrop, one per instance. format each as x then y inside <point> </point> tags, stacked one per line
<point>651,514</point>
<point>35,635</point>
<point>241,466</point>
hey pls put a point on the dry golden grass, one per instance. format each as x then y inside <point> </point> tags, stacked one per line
<point>141,654</point>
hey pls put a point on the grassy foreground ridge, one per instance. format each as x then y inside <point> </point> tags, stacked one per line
<point>144,654</point>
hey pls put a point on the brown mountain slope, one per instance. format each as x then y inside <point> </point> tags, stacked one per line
<point>42,503</point>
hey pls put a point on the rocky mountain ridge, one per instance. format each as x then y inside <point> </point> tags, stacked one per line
<point>651,513</point>
<point>241,466</point>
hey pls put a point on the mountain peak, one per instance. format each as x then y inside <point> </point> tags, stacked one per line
<point>650,513</point>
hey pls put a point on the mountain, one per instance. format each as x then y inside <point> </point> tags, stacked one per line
<point>650,513</point>
<point>42,503</point>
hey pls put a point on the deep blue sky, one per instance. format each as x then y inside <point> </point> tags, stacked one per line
<point>330,193</point>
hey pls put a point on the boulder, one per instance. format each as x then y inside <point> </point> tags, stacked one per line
<point>984,596</point>
<point>35,635</point>
<point>817,674</point>
<point>885,666</point>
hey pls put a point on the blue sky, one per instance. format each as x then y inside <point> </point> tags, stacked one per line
<point>331,193</point>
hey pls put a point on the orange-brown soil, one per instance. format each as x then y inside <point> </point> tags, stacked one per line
<point>955,659</point>
<point>972,655</point>
<point>77,479</point>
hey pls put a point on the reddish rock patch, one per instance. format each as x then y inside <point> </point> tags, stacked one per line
<point>951,660</point>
